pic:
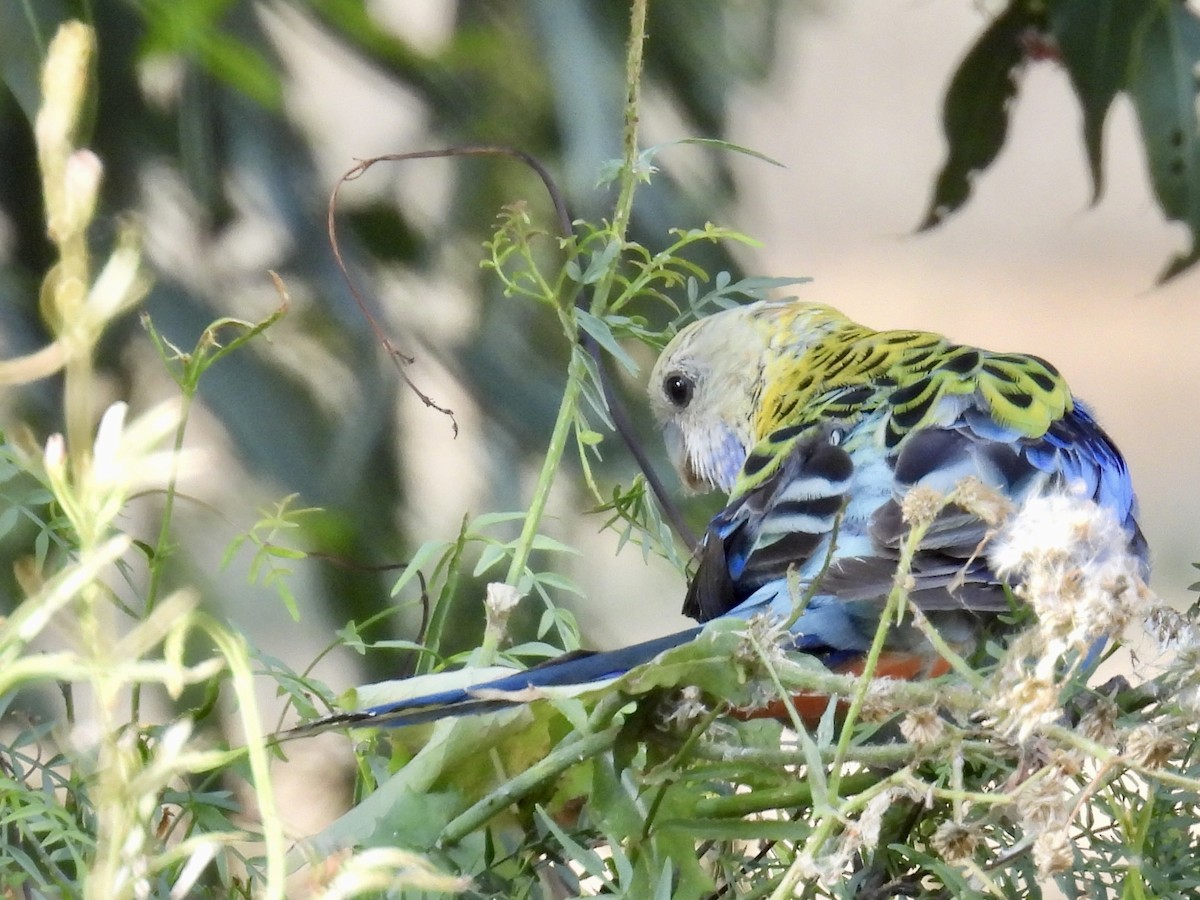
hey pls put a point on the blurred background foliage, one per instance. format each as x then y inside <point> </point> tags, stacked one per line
<point>205,123</point>
<point>204,139</point>
<point>205,119</point>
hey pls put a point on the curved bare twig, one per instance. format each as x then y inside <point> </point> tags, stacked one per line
<point>619,414</point>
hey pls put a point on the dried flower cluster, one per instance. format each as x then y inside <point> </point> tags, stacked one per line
<point>955,841</point>
<point>921,505</point>
<point>1070,561</point>
<point>1171,630</point>
<point>922,726</point>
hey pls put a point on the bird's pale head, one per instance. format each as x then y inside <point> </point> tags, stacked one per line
<point>705,387</point>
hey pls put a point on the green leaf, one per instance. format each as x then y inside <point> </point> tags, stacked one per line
<point>706,662</point>
<point>561,582</point>
<point>1163,87</point>
<point>588,860</point>
<point>665,889</point>
<point>8,519</point>
<point>613,800</point>
<point>591,388</point>
<point>1096,39</point>
<point>975,111</point>
<point>283,552</point>
<point>193,29</point>
<point>650,152</point>
<point>601,262</point>
<point>424,553</point>
<point>487,520</point>
<point>545,542</point>
<point>600,330</point>
<point>491,555</point>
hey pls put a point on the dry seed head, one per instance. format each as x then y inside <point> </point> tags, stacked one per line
<point>984,502</point>
<point>1151,746</point>
<point>922,726</point>
<point>1188,698</point>
<point>881,701</point>
<point>1043,801</point>
<point>1071,560</point>
<point>498,604</point>
<point>1170,629</point>
<point>871,819</point>
<point>1025,706</point>
<point>1187,663</point>
<point>829,869</point>
<point>1099,723</point>
<point>921,505</point>
<point>685,709</point>
<point>954,841</point>
<point>1053,852</point>
<point>763,634</point>
<point>1069,761</point>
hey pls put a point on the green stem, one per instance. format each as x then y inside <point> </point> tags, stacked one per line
<point>569,753</point>
<point>633,86</point>
<point>627,179</point>
<point>894,602</point>
<point>575,373</point>
<point>541,495</point>
<point>162,550</point>
<point>77,400</point>
<point>877,755</point>
<point>897,601</point>
<point>234,649</point>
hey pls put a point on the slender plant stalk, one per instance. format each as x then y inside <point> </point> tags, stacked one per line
<point>571,751</point>
<point>162,546</point>
<point>545,482</point>
<point>629,142</point>
<point>568,408</point>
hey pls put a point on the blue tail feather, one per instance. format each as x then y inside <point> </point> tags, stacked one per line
<point>580,669</point>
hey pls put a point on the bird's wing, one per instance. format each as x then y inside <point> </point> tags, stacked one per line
<point>783,521</point>
<point>1007,423</point>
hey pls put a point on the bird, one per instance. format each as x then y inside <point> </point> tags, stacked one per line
<point>818,429</point>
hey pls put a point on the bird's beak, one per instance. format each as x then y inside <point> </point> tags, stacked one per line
<point>677,453</point>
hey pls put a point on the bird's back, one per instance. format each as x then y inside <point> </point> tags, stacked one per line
<point>852,424</point>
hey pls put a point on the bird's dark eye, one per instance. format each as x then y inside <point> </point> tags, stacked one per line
<point>679,389</point>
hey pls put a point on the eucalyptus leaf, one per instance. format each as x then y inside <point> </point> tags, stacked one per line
<point>976,108</point>
<point>1163,86</point>
<point>1097,39</point>
<point>599,329</point>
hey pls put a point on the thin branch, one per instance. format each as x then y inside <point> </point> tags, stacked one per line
<point>617,410</point>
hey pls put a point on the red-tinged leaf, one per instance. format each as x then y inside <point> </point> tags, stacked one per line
<point>1163,84</point>
<point>1096,41</point>
<point>976,109</point>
